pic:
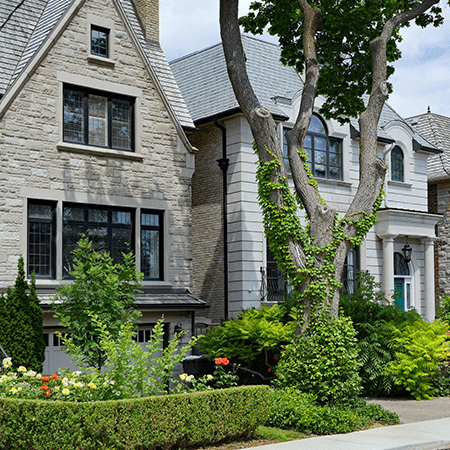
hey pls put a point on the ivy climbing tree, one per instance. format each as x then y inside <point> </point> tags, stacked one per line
<point>343,48</point>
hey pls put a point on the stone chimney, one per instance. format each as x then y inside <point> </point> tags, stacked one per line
<point>149,13</point>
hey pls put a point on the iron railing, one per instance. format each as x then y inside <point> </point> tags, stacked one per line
<point>274,287</point>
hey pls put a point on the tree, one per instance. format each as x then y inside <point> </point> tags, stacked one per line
<point>343,47</point>
<point>21,323</point>
<point>101,289</point>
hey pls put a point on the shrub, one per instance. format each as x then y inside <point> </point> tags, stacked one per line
<point>102,288</point>
<point>375,321</point>
<point>150,423</point>
<point>424,346</point>
<point>21,330</point>
<point>294,410</point>
<point>254,341</point>
<point>323,362</point>
<point>444,309</point>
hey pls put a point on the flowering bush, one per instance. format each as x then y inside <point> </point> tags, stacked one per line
<point>74,386</point>
<point>220,380</point>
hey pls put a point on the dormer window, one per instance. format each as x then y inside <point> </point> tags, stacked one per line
<point>397,164</point>
<point>99,41</point>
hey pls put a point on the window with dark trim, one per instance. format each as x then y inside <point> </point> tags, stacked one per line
<point>110,230</point>
<point>99,41</point>
<point>98,118</point>
<point>324,153</point>
<point>397,164</point>
<point>41,239</point>
<point>152,245</point>
<point>350,270</point>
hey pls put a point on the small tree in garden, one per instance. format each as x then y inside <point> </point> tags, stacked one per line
<point>102,289</point>
<point>21,330</point>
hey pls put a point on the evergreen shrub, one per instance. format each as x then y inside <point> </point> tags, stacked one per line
<point>200,418</point>
<point>21,323</point>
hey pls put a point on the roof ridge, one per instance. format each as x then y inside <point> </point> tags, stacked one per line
<point>181,58</point>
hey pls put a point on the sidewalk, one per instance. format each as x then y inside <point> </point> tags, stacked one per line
<point>417,431</point>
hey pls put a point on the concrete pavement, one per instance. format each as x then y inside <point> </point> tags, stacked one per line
<point>417,432</point>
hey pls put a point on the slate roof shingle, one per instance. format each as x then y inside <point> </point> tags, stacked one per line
<point>203,79</point>
<point>32,23</point>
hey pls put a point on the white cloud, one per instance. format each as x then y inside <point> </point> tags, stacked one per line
<point>422,76</point>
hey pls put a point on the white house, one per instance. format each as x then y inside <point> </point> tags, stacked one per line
<point>233,268</point>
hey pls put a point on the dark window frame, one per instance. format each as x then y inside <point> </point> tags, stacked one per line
<point>89,224</point>
<point>397,164</point>
<point>160,228</point>
<point>312,160</point>
<point>106,32</point>
<point>52,221</point>
<point>349,284</point>
<point>111,98</point>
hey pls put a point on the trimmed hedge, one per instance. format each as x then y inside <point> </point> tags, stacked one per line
<point>145,423</point>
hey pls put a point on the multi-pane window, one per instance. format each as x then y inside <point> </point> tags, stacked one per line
<point>324,153</point>
<point>99,41</point>
<point>109,229</point>
<point>350,270</point>
<point>41,239</point>
<point>397,164</point>
<point>152,245</point>
<point>98,118</point>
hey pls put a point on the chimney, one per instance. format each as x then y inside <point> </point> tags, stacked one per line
<point>149,13</point>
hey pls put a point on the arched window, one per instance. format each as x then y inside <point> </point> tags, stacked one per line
<point>324,153</point>
<point>397,164</point>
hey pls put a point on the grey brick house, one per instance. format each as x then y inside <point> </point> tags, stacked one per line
<point>233,268</point>
<point>435,128</point>
<point>93,137</point>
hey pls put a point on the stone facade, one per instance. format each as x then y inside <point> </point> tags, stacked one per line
<point>38,165</point>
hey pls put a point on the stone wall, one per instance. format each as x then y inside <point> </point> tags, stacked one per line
<point>32,165</point>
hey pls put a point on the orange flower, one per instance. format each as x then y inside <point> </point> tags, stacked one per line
<point>44,388</point>
<point>47,393</point>
<point>45,379</point>
<point>54,376</point>
<point>221,361</point>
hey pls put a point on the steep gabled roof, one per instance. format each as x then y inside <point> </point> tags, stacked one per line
<point>31,26</point>
<point>204,83</point>
<point>436,129</point>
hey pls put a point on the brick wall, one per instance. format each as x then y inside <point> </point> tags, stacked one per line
<point>149,13</point>
<point>207,221</point>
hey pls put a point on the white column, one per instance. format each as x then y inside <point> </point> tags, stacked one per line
<point>388,266</point>
<point>430,310</point>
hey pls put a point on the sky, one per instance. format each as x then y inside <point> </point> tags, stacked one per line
<point>421,79</point>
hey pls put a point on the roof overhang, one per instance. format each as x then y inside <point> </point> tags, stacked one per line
<point>417,147</point>
<point>355,134</point>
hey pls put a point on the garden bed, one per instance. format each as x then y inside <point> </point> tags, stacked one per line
<point>145,423</point>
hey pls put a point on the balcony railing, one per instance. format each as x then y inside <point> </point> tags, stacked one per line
<point>274,287</point>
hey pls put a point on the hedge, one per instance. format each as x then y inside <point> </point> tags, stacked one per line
<point>146,423</point>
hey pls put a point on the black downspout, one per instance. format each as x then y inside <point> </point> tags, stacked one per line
<point>223,164</point>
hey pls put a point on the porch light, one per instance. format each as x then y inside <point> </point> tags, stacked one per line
<point>407,250</point>
<point>178,328</point>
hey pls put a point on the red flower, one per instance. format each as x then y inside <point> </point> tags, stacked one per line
<point>47,393</point>
<point>275,357</point>
<point>44,388</point>
<point>45,379</point>
<point>54,376</point>
<point>221,361</point>
<point>269,369</point>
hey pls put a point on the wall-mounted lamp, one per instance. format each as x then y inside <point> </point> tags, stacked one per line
<point>178,328</point>
<point>407,251</point>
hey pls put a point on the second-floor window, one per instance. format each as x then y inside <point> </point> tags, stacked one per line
<point>98,118</point>
<point>397,164</point>
<point>324,152</point>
